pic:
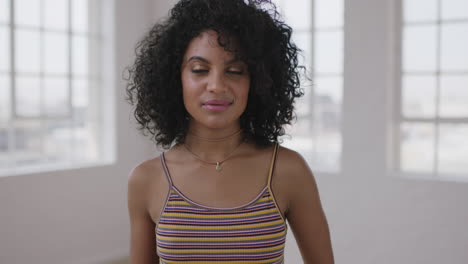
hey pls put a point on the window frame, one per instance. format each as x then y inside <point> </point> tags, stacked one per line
<point>312,29</point>
<point>99,79</point>
<point>398,116</point>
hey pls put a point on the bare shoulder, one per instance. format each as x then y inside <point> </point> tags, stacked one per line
<point>305,213</point>
<point>143,177</point>
<point>140,189</point>
<point>290,175</point>
<point>292,164</point>
<point>145,172</point>
<point>293,167</point>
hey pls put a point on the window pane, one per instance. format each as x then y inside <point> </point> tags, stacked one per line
<point>454,9</point>
<point>420,10</point>
<point>5,156</point>
<point>56,97</point>
<point>28,96</point>
<point>86,146</point>
<point>419,48</point>
<point>417,147</point>
<point>418,96</point>
<point>327,122</point>
<point>303,40</point>
<point>329,13</point>
<point>328,52</point>
<point>80,55</point>
<point>80,93</point>
<point>303,144</point>
<point>454,96</point>
<point>27,12</point>
<point>328,91</point>
<point>453,148</point>
<point>79,14</point>
<point>27,51</point>
<point>43,53</point>
<point>4,49</point>
<point>80,102</point>
<point>328,150</point>
<point>55,53</point>
<point>28,137</point>
<point>454,47</point>
<point>58,141</point>
<point>55,14</point>
<point>298,14</point>
<point>301,138</point>
<point>300,128</point>
<point>5,94</point>
<point>303,104</point>
<point>4,11</point>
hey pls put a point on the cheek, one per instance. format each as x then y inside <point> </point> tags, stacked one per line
<point>190,88</point>
<point>244,93</point>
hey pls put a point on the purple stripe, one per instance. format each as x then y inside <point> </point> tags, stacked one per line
<point>174,234</point>
<point>166,219</point>
<point>243,256</point>
<point>227,244</point>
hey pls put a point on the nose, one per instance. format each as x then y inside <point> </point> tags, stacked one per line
<point>216,83</point>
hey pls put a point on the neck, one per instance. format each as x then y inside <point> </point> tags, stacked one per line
<point>213,145</point>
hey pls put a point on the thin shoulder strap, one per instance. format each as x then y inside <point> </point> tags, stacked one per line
<point>272,165</point>
<point>166,171</point>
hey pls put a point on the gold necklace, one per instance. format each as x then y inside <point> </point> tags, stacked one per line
<point>218,164</point>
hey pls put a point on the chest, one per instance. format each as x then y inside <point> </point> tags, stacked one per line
<point>235,186</point>
<point>191,232</point>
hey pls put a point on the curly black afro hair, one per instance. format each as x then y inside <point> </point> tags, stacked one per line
<point>265,46</point>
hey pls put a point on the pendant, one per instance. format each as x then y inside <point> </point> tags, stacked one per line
<point>218,166</point>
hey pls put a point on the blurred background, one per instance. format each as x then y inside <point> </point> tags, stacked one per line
<point>383,125</point>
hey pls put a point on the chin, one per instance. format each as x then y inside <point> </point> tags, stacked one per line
<point>218,123</point>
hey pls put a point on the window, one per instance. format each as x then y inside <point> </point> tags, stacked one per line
<point>433,105</point>
<point>50,84</point>
<point>318,31</point>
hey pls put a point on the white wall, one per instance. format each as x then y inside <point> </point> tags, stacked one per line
<point>79,216</point>
<point>374,216</point>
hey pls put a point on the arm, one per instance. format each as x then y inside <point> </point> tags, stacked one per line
<point>142,242</point>
<point>306,216</point>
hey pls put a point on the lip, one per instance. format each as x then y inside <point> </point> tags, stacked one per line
<point>216,105</point>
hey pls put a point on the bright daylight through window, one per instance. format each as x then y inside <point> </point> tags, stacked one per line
<point>433,116</point>
<point>50,83</point>
<point>317,132</point>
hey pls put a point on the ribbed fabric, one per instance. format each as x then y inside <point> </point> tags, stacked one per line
<point>189,232</point>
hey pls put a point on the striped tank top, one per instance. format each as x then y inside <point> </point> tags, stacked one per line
<point>189,232</point>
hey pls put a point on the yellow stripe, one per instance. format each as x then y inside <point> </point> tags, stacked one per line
<point>178,203</point>
<point>187,203</point>
<point>218,227</point>
<point>192,216</point>
<point>227,262</point>
<point>219,239</point>
<point>221,251</point>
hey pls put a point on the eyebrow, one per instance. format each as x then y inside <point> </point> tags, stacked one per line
<point>207,61</point>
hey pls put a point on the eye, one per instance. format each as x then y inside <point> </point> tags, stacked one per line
<point>235,71</point>
<point>199,70</point>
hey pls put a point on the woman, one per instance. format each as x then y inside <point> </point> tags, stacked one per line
<point>214,84</point>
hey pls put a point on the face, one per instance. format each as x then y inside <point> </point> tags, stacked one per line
<point>215,85</point>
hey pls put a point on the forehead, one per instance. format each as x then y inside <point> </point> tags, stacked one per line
<point>206,45</point>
